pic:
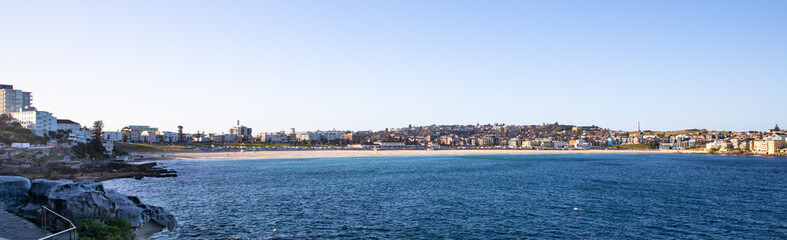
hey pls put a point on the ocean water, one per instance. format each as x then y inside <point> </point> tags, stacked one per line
<point>574,196</point>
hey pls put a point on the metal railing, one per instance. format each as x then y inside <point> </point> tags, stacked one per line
<point>72,230</point>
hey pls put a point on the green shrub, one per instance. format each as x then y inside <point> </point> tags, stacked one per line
<point>93,149</point>
<point>109,229</point>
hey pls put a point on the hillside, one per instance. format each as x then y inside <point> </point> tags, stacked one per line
<point>11,132</point>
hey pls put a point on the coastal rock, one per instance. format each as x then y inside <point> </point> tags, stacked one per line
<point>38,196</point>
<point>131,209</point>
<point>40,188</point>
<point>13,192</point>
<point>77,201</point>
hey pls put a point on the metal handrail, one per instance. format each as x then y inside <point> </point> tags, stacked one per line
<point>72,233</point>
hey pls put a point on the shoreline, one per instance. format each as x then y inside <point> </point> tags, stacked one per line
<point>286,154</point>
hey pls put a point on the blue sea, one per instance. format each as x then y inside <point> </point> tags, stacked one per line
<point>574,196</point>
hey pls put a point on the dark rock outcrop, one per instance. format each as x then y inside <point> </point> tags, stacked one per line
<point>39,189</point>
<point>13,192</point>
<point>38,196</point>
<point>81,170</point>
<point>77,201</point>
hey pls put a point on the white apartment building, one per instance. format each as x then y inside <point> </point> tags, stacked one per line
<point>80,135</point>
<point>169,136</point>
<point>274,137</point>
<point>319,135</point>
<point>115,136</point>
<point>582,144</point>
<point>13,100</point>
<point>67,125</point>
<point>149,136</point>
<point>769,145</point>
<point>513,143</point>
<point>40,122</point>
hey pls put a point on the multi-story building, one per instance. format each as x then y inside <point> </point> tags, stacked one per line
<point>112,136</point>
<point>513,143</point>
<point>133,133</point>
<point>319,135</point>
<point>13,100</point>
<point>221,137</point>
<point>768,145</point>
<point>39,122</point>
<point>80,135</point>
<point>67,125</point>
<point>149,136</point>
<point>229,137</point>
<point>169,136</point>
<point>581,144</point>
<point>274,137</point>
<point>241,132</point>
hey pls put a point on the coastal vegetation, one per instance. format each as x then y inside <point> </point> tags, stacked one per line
<point>93,150</point>
<point>11,132</point>
<point>104,229</point>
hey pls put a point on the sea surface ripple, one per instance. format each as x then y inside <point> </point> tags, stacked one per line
<point>575,196</point>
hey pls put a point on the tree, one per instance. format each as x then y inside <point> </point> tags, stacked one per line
<point>93,149</point>
<point>97,129</point>
<point>180,133</point>
<point>6,118</point>
<point>776,128</point>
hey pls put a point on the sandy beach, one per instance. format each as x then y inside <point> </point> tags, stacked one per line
<point>366,153</point>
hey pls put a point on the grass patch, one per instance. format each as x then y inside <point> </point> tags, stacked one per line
<point>9,137</point>
<point>139,147</point>
<point>681,132</point>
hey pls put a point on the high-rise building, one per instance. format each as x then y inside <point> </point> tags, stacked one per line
<point>14,100</point>
<point>241,131</point>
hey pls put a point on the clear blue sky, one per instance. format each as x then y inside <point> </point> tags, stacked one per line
<point>362,65</point>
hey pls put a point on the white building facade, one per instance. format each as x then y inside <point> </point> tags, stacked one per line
<point>39,122</point>
<point>112,136</point>
<point>67,125</point>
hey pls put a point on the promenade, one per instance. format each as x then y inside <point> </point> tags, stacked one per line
<point>13,227</point>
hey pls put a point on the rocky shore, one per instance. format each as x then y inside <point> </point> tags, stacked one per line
<point>80,170</point>
<point>80,200</point>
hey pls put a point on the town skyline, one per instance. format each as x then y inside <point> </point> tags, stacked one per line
<point>322,65</point>
<point>637,125</point>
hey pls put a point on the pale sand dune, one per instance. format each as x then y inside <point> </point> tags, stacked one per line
<point>366,153</point>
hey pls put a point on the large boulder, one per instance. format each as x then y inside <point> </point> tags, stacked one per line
<point>131,209</point>
<point>77,201</point>
<point>40,188</point>
<point>13,192</point>
<point>81,200</point>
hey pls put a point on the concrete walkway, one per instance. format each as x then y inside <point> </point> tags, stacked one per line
<point>13,227</point>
